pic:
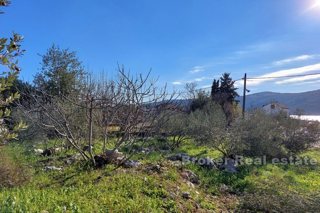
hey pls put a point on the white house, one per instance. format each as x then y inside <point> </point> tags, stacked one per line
<point>275,108</point>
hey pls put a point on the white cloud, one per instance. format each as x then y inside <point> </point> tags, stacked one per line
<point>293,59</point>
<point>254,48</point>
<point>197,69</point>
<point>299,79</point>
<point>208,86</point>
<point>282,73</point>
<point>200,79</point>
<point>177,83</point>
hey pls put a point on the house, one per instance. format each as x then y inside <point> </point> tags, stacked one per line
<point>275,108</point>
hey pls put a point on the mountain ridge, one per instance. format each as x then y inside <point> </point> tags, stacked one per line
<point>308,101</point>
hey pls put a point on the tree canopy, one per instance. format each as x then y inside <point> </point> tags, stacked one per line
<point>61,72</point>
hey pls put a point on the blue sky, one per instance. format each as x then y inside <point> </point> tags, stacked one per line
<point>180,40</point>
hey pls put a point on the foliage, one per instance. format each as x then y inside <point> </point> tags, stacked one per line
<point>9,51</point>
<point>265,188</point>
<point>299,135</point>
<point>200,101</point>
<point>262,135</point>
<point>276,136</point>
<point>76,190</point>
<point>61,72</point>
<point>208,126</point>
<point>224,93</point>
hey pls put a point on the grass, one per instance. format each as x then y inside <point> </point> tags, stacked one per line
<point>81,189</point>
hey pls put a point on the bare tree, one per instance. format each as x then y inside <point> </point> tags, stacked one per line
<point>133,103</point>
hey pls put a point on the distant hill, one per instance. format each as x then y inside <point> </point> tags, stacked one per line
<point>308,101</point>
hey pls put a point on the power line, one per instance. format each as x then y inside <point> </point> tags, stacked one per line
<point>286,76</point>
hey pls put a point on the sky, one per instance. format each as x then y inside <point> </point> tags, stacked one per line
<point>181,41</point>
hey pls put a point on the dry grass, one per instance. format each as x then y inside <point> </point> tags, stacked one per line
<point>12,172</point>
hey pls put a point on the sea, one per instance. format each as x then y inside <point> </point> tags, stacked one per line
<point>307,117</point>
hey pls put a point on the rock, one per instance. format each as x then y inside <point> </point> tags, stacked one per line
<point>207,163</point>
<point>113,156</point>
<point>229,166</point>
<point>100,160</point>
<point>154,168</point>
<point>191,185</point>
<point>224,188</point>
<point>131,164</point>
<point>48,152</point>
<point>73,159</point>
<point>108,157</point>
<point>172,195</point>
<point>179,157</point>
<point>52,168</point>
<point>146,151</point>
<point>58,149</point>
<point>190,176</point>
<point>186,195</point>
<point>38,151</point>
<point>176,164</point>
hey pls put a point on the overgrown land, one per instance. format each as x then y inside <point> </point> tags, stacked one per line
<point>73,142</point>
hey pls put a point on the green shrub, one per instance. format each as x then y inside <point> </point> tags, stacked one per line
<point>275,135</point>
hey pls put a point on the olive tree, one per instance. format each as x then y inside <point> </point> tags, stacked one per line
<point>10,49</point>
<point>208,127</point>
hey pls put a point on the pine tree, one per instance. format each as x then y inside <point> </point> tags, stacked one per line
<point>61,72</point>
<point>215,87</point>
<point>227,87</point>
<point>224,93</point>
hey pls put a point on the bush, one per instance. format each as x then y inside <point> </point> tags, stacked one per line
<point>275,136</point>
<point>299,135</point>
<point>12,173</point>
<point>176,129</point>
<point>209,127</point>
<point>262,135</point>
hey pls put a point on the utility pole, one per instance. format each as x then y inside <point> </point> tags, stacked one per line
<point>244,95</point>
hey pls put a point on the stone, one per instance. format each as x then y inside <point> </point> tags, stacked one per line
<point>191,185</point>
<point>154,168</point>
<point>146,151</point>
<point>207,163</point>
<point>229,166</point>
<point>72,159</point>
<point>48,152</point>
<point>224,188</point>
<point>131,164</point>
<point>190,176</point>
<point>178,157</point>
<point>113,156</point>
<point>52,168</point>
<point>100,160</point>
<point>186,195</point>
<point>58,149</point>
<point>38,151</point>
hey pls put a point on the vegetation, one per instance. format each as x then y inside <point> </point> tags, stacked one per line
<point>76,189</point>
<point>9,51</point>
<point>125,145</point>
